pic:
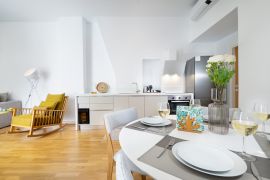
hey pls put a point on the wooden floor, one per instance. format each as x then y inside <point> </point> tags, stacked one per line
<point>65,154</point>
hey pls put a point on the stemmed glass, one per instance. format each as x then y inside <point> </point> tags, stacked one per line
<point>245,126</point>
<point>164,110</point>
<point>260,112</point>
<point>195,102</point>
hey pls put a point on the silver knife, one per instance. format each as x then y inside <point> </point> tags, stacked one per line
<point>255,171</point>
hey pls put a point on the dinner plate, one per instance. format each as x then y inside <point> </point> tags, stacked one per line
<point>238,169</point>
<point>152,120</point>
<point>205,157</point>
<point>165,122</point>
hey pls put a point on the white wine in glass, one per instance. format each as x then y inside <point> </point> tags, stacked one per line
<point>245,128</point>
<point>261,116</point>
<point>164,110</point>
<point>243,125</point>
<point>260,112</point>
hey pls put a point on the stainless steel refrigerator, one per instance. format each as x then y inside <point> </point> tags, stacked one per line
<point>197,80</point>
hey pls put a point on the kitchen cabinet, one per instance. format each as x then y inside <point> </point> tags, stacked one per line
<point>97,117</point>
<point>98,106</point>
<point>138,103</point>
<point>120,102</point>
<point>151,104</point>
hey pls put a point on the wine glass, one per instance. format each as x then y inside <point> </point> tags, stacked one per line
<point>195,102</point>
<point>260,112</point>
<point>164,110</point>
<point>245,126</point>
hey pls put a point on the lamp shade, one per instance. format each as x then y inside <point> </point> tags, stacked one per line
<point>31,74</point>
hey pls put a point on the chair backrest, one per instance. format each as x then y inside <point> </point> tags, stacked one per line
<point>64,103</point>
<point>119,118</point>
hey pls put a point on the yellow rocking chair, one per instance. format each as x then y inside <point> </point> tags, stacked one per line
<point>40,117</point>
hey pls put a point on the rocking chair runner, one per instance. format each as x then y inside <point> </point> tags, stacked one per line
<point>35,118</point>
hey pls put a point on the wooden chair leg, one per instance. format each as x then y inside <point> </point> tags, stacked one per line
<point>30,132</point>
<point>11,129</point>
<point>143,177</point>
<point>110,169</point>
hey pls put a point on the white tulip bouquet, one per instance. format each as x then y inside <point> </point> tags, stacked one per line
<point>220,69</point>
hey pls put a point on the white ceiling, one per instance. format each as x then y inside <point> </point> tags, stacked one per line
<point>226,26</point>
<point>30,10</point>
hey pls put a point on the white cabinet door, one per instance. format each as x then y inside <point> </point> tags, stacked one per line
<point>151,104</point>
<point>101,107</point>
<point>101,100</point>
<point>120,102</point>
<point>97,117</point>
<point>83,100</point>
<point>138,103</point>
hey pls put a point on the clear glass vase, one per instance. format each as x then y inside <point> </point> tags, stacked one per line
<point>218,112</point>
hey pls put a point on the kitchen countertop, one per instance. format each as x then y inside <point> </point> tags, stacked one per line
<point>132,94</point>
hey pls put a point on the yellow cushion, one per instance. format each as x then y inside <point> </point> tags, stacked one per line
<point>51,105</point>
<point>22,120</point>
<point>56,98</point>
<point>40,108</point>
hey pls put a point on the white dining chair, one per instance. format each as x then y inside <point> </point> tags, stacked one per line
<point>123,171</point>
<point>113,122</point>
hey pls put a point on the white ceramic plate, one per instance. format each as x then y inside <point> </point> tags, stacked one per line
<point>238,169</point>
<point>152,120</point>
<point>165,122</point>
<point>205,157</point>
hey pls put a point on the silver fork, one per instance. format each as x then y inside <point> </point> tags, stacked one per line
<point>171,143</point>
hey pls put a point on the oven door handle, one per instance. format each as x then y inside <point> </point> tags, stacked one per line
<point>179,101</point>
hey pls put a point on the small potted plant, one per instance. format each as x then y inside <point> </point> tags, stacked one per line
<point>220,69</point>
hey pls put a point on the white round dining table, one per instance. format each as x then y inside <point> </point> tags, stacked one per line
<point>135,143</point>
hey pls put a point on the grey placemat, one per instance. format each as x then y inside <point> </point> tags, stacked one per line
<point>155,130</point>
<point>169,164</point>
<point>264,144</point>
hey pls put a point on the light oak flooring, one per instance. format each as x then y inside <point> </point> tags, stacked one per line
<point>65,154</point>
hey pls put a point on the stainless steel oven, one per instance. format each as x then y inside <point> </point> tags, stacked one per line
<point>178,100</point>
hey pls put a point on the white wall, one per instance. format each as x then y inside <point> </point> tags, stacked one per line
<point>24,45</point>
<point>253,40</point>
<point>54,48</point>
<point>99,62</point>
<point>254,62</point>
<point>71,71</point>
<point>130,40</point>
<point>226,45</point>
<point>73,55</point>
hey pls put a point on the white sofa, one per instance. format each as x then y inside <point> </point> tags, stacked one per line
<point>5,119</point>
